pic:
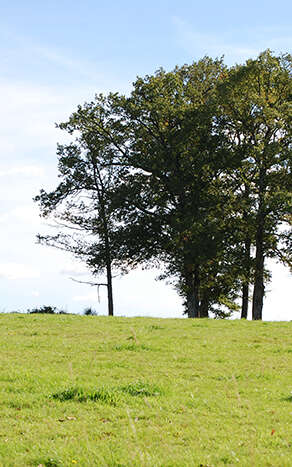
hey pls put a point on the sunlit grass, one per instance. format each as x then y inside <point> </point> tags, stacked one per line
<point>130,392</point>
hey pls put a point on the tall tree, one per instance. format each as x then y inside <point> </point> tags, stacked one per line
<point>82,201</point>
<point>180,152</point>
<point>167,202</point>
<point>256,99</point>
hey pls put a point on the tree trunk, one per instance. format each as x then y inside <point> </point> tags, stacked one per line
<point>191,305</point>
<point>110,295</point>
<point>204,307</point>
<point>245,297</point>
<point>108,260</point>
<point>192,283</point>
<point>259,288</point>
<point>110,300</point>
<point>246,259</point>
<point>245,286</point>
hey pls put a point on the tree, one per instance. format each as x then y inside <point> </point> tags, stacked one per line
<point>162,154</point>
<point>178,156</point>
<point>82,201</point>
<point>191,171</point>
<point>256,100</point>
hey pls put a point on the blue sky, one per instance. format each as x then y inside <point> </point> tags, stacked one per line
<point>55,55</point>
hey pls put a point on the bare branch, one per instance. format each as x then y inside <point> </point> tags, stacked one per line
<point>92,284</point>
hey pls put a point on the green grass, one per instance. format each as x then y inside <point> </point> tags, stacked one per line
<point>77,390</point>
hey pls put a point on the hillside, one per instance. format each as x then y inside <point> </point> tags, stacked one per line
<point>86,391</point>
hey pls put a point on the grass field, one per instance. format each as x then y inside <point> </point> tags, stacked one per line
<point>88,391</point>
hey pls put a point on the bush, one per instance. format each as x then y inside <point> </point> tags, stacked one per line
<point>88,311</point>
<point>62,312</point>
<point>45,309</point>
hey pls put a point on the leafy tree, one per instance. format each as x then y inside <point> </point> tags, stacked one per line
<point>82,200</point>
<point>176,196</point>
<point>191,171</point>
<point>256,100</point>
<point>143,178</point>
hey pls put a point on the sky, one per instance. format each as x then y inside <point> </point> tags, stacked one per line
<point>58,54</point>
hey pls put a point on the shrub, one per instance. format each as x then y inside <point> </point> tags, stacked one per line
<point>45,309</point>
<point>88,311</point>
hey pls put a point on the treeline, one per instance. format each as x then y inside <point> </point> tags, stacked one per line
<point>53,310</point>
<point>191,172</point>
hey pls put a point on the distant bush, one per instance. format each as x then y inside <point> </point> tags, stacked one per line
<point>88,311</point>
<point>47,310</point>
<point>63,312</point>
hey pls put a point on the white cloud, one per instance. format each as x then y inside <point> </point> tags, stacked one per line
<point>73,267</point>
<point>26,214</point>
<point>277,304</point>
<point>26,170</point>
<point>15,271</point>
<point>29,113</point>
<point>89,297</point>
<point>35,293</point>
<point>74,270</point>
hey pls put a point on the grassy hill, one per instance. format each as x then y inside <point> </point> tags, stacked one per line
<point>87,391</point>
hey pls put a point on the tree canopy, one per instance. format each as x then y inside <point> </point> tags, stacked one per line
<point>191,172</point>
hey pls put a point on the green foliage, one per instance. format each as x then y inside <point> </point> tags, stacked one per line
<point>255,101</point>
